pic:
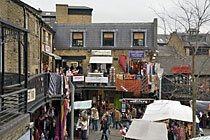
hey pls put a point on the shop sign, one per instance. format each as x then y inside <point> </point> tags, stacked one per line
<point>47,48</point>
<point>78,78</point>
<point>136,54</point>
<point>181,69</point>
<point>96,79</point>
<point>31,95</point>
<point>101,52</point>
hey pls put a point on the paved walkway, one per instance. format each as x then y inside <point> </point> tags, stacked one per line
<point>96,135</point>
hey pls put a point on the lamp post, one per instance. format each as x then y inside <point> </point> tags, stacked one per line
<point>160,75</point>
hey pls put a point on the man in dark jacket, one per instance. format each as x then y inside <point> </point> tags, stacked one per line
<point>104,129</point>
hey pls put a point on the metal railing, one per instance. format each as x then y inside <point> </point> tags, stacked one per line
<point>12,105</point>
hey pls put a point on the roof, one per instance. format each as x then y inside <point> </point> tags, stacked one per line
<point>167,51</point>
<point>163,38</point>
<point>93,34</point>
<point>80,7</point>
<point>202,63</point>
<point>203,40</point>
<point>48,13</point>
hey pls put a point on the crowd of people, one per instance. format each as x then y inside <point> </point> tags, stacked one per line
<point>178,130</point>
<point>112,118</point>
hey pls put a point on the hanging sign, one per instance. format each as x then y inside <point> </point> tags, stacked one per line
<point>101,52</point>
<point>31,95</point>
<point>136,54</point>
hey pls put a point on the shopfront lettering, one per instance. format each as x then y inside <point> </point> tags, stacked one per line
<point>136,54</point>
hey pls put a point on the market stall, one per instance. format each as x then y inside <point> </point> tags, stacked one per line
<point>167,109</point>
<point>146,130</point>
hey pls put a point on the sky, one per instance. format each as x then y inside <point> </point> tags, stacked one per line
<point>113,11</point>
<point>109,11</point>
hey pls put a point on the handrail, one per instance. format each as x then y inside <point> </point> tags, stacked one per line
<point>13,93</point>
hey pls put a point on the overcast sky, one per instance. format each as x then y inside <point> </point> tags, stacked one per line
<point>110,10</point>
<point>113,10</point>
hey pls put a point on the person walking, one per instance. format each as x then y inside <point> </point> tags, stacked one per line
<point>113,117</point>
<point>95,119</point>
<point>133,112</point>
<point>129,118</point>
<point>83,123</point>
<point>118,117</point>
<point>104,129</point>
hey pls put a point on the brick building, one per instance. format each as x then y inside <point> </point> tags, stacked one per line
<point>101,46</point>
<point>23,15</point>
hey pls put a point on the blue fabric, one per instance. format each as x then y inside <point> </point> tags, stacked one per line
<point>95,123</point>
<point>84,133</point>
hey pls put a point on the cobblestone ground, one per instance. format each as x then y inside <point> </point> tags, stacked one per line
<point>96,135</point>
<point>206,132</point>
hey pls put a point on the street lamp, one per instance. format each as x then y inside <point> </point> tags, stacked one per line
<point>160,75</point>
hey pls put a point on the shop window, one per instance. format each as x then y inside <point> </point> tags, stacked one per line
<point>200,51</point>
<point>108,38</point>
<point>138,39</point>
<point>111,100</point>
<point>77,38</point>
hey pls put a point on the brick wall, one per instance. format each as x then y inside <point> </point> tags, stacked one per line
<point>14,13</point>
<point>177,43</point>
<point>62,16</point>
<point>15,128</point>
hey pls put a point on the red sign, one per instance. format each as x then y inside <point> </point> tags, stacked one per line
<point>181,69</point>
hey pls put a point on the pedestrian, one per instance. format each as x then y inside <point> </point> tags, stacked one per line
<point>118,117</point>
<point>83,123</point>
<point>104,129</point>
<point>108,118</point>
<point>95,119</point>
<point>170,134</point>
<point>129,118</point>
<point>113,117</point>
<point>133,112</point>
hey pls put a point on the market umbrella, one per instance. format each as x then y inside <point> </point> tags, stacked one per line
<point>201,138</point>
<point>147,130</point>
<point>167,109</point>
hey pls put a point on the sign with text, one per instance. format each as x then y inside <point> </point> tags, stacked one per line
<point>136,54</point>
<point>47,48</point>
<point>31,95</point>
<point>96,79</point>
<point>181,69</point>
<point>78,78</point>
<point>101,52</point>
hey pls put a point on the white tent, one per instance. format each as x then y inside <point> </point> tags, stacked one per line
<point>167,109</point>
<point>201,138</point>
<point>147,130</point>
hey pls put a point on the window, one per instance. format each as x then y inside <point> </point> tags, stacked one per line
<point>138,39</point>
<point>77,39</point>
<point>43,35</point>
<point>200,51</point>
<point>27,21</point>
<point>108,38</point>
<point>49,39</point>
<point>36,28</point>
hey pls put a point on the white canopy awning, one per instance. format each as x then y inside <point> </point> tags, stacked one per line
<point>101,60</point>
<point>53,55</point>
<point>147,130</point>
<point>167,109</point>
